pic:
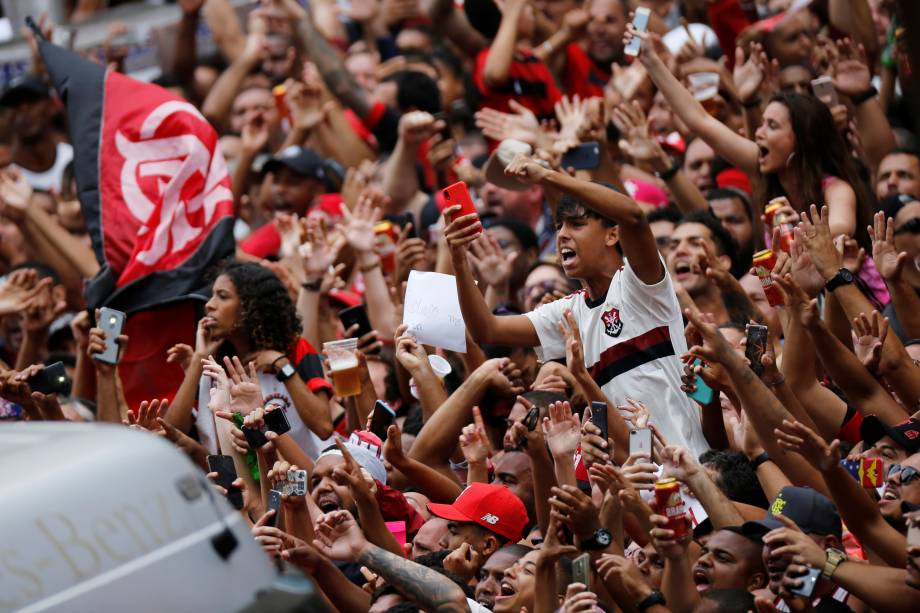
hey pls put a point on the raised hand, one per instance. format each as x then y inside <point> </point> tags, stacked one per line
<point>800,305</point>
<point>392,447</point>
<point>640,472</point>
<point>474,441</point>
<point>799,438</point>
<point>245,392</point>
<point>464,561</point>
<point>665,541</point>
<point>520,125</point>
<point>16,289</point>
<point>636,413</point>
<point>868,339</point>
<point>617,570</point>
<point>571,115</point>
<point>638,143</point>
<point>358,226</point>
<point>888,261</point>
<point>715,349</point>
<point>851,69</point>
<point>527,169</point>
<point>679,463</point>
<point>255,133</point>
<point>305,102</point>
<point>145,416</point>
<point>493,265</point>
<point>816,236</point>
<point>459,232</point>
<point>749,75</point>
<point>574,348</point>
<point>576,510</point>
<point>803,269</point>
<point>562,430</point>
<point>15,190</point>
<point>409,353</point>
<point>339,537</point>
<point>40,308</point>
<point>415,127</point>
<point>411,253</point>
<point>321,249</point>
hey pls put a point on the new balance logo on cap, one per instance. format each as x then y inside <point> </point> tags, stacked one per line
<point>489,519</point>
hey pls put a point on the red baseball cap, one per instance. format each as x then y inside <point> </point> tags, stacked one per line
<point>494,507</point>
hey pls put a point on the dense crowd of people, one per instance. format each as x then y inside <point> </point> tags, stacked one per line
<point>685,239</point>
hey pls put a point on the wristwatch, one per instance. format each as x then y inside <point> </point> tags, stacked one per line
<point>285,372</point>
<point>833,560</point>
<point>656,597</point>
<point>843,277</point>
<point>601,539</point>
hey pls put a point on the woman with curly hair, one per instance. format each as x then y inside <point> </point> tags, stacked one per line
<point>251,315</point>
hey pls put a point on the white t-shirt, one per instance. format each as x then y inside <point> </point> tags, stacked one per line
<point>275,394</point>
<point>633,338</point>
<point>52,178</point>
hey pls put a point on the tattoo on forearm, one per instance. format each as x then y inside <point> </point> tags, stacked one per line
<point>330,65</point>
<point>428,588</point>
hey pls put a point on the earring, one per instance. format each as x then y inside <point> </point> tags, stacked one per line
<point>789,159</point>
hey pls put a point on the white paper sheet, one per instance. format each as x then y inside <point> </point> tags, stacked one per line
<point>432,311</point>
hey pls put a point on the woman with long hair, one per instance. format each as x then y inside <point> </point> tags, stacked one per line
<point>797,152</point>
<point>251,315</point>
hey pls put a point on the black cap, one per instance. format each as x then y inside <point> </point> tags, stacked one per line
<point>905,434</point>
<point>302,161</point>
<point>29,84</point>
<point>811,511</point>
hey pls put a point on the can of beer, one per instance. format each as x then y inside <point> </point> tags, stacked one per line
<point>769,212</point>
<point>763,263</point>
<point>786,227</point>
<point>668,502</point>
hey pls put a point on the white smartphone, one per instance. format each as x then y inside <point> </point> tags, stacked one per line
<point>640,441</point>
<point>640,21</point>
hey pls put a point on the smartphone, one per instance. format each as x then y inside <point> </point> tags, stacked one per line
<point>756,345</point>
<point>356,315</point>
<point>226,475</point>
<point>581,570</point>
<point>640,441</point>
<point>51,379</point>
<point>809,580</point>
<point>599,417</point>
<point>586,156</point>
<point>703,394</point>
<point>532,419</point>
<point>277,421</point>
<point>823,89</point>
<point>640,21</point>
<point>296,483</point>
<point>383,417</point>
<point>459,194</point>
<point>404,220</point>
<point>111,322</point>
<point>255,437</point>
<point>274,502</point>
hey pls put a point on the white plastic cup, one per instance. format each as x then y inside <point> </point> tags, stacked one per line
<point>439,365</point>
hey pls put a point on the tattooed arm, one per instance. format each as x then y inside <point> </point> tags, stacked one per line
<point>339,537</point>
<point>330,64</point>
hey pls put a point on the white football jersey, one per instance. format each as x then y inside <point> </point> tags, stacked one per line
<point>633,338</point>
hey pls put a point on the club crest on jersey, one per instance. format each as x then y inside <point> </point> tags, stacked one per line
<point>613,325</point>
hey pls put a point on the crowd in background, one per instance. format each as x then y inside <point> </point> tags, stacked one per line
<point>707,229</point>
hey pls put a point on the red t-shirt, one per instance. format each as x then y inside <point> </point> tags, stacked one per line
<point>529,83</point>
<point>582,74</point>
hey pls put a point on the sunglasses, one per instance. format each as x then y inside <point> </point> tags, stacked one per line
<point>911,226</point>
<point>908,473</point>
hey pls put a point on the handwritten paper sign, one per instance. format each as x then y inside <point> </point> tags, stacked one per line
<point>432,311</point>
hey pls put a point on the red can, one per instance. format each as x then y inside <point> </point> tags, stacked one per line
<point>763,262</point>
<point>668,502</point>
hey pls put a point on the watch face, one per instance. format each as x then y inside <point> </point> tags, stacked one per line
<point>287,371</point>
<point>846,275</point>
<point>603,537</point>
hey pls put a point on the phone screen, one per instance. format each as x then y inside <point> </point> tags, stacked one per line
<point>640,21</point>
<point>356,315</point>
<point>756,346</point>
<point>277,421</point>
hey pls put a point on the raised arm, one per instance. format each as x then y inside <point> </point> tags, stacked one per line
<point>634,234</point>
<point>735,148</point>
<point>501,52</point>
<point>483,325</point>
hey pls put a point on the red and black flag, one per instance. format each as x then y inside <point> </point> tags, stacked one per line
<point>156,195</point>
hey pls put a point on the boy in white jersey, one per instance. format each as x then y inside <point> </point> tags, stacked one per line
<point>628,314</point>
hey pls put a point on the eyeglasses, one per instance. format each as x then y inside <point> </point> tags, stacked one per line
<point>912,226</point>
<point>908,473</point>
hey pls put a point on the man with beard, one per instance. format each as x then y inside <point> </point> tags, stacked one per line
<point>35,151</point>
